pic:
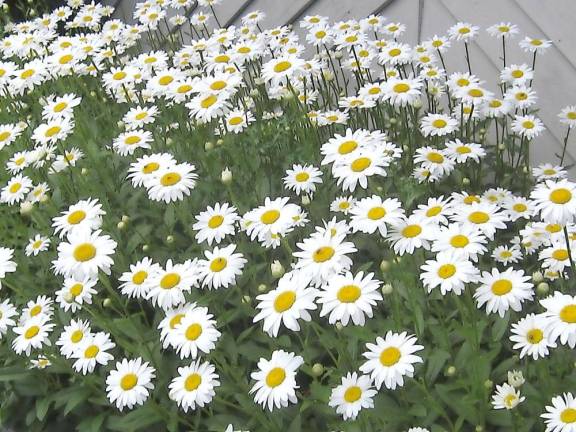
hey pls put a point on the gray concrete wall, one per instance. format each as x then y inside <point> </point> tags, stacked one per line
<point>555,79</point>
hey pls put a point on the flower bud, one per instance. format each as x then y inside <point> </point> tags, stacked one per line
<point>537,277</point>
<point>26,208</point>
<point>277,269</point>
<point>120,124</point>
<point>208,145</point>
<point>169,142</point>
<point>84,171</point>
<point>501,147</point>
<point>479,428</point>
<point>107,302</point>
<point>125,218</point>
<point>339,326</point>
<point>393,121</point>
<point>543,288</point>
<point>488,384</point>
<point>219,142</point>
<point>254,92</point>
<point>465,181</point>
<point>317,369</point>
<point>226,176</point>
<point>246,299</point>
<point>515,378</point>
<point>121,225</point>
<point>338,55</point>
<point>385,266</point>
<point>417,104</point>
<point>145,248</point>
<point>305,200</point>
<point>387,289</point>
<point>170,239</point>
<point>451,371</point>
<point>262,288</point>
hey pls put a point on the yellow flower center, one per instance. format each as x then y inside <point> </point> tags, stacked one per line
<point>501,287</point>
<point>571,115</point>
<point>519,207</point>
<point>560,254</point>
<point>128,381</point>
<point>459,241</point>
<point>269,217</point>
<point>284,301</point>
<point>478,217</point>
<point>141,115</point>
<point>439,123</point>
<point>323,254</point>
<point>76,217</point>
<point>302,176</point>
<point>119,75</point>
<point>84,252</point>
<point>208,101</point>
<point>361,164</point>
<point>193,331</point>
<point>15,187</point>
<point>435,157</point>
<point>376,213</point>
<point>91,352</point>
<point>31,332</point>
<point>170,179</point>
<point>475,92</point>
<point>462,82</point>
<point>446,271</point>
<point>394,52</point>
<point>215,221</point>
<point>76,289</point>
<point>139,277</point>
<point>282,66</point>
<point>218,264</point>
<point>463,150</point>
<point>528,124</point>
<point>411,231</point>
<point>568,314</point>
<point>223,58</point>
<point>495,103</point>
<point>218,85</point>
<point>235,121</point>
<point>352,394</point>
<point>275,377</point>
<point>390,356</point>
<point>65,59</point>
<point>27,73</point>
<point>132,139</point>
<point>59,107</point>
<point>176,320</point>
<point>4,135</point>
<point>349,294</point>
<point>568,415</point>
<point>347,147</point>
<point>35,310</point>
<point>77,336</point>
<point>150,167</point>
<point>433,211</point>
<point>184,88</point>
<point>534,336</point>
<point>50,132</point>
<point>192,382</point>
<point>560,196</point>
<point>170,280</point>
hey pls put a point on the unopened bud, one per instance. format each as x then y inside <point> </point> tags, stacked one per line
<point>121,225</point>
<point>515,378</point>
<point>262,288</point>
<point>488,384</point>
<point>107,302</point>
<point>170,239</point>
<point>543,288</point>
<point>84,171</point>
<point>277,269</point>
<point>145,248</point>
<point>208,145</point>
<point>465,181</point>
<point>226,176</point>
<point>451,371</point>
<point>26,208</point>
<point>387,289</point>
<point>317,369</point>
<point>305,200</point>
<point>339,326</point>
<point>537,277</point>
<point>125,218</point>
<point>385,265</point>
<point>417,104</point>
<point>246,299</point>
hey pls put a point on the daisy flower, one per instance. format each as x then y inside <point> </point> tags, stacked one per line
<point>33,333</point>
<point>507,254</point>
<point>450,271</point>
<point>84,215</point>
<point>506,397</point>
<point>463,31</point>
<point>139,117</point>
<point>503,30</point>
<point>196,332</point>
<point>43,305</point>
<point>435,161</point>
<point>194,385</point>
<point>567,116</point>
<point>531,335</point>
<point>534,45</point>
<point>172,183</point>
<point>7,311</point>
<point>130,383</point>
<point>323,256</point>
<point>238,120</point>
<point>501,291</point>
<point>548,171</point>
<point>276,380</point>
<point>146,168</point>
<point>302,179</point>
<point>76,292</point>
<point>373,213</point>
<point>484,216</point>
<point>561,318</point>
<point>16,189</point>
<point>127,142</point>
<point>84,254</point>
<point>37,244</point>
<point>167,286</point>
<point>136,283</point>
<point>221,267</point>
<point>466,240</point>
<point>390,359</point>
<point>92,351</point>
<point>411,233</point>
<point>527,126</point>
<point>352,395</point>
<point>274,217</point>
<point>6,263</point>
<point>555,201</point>
<point>215,223</point>
<point>561,415</point>
<point>282,68</point>
<point>461,152</point>
<point>343,204</point>
<point>437,125</point>
<point>355,169</point>
<point>72,336</point>
<point>347,296</point>
<point>289,302</point>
